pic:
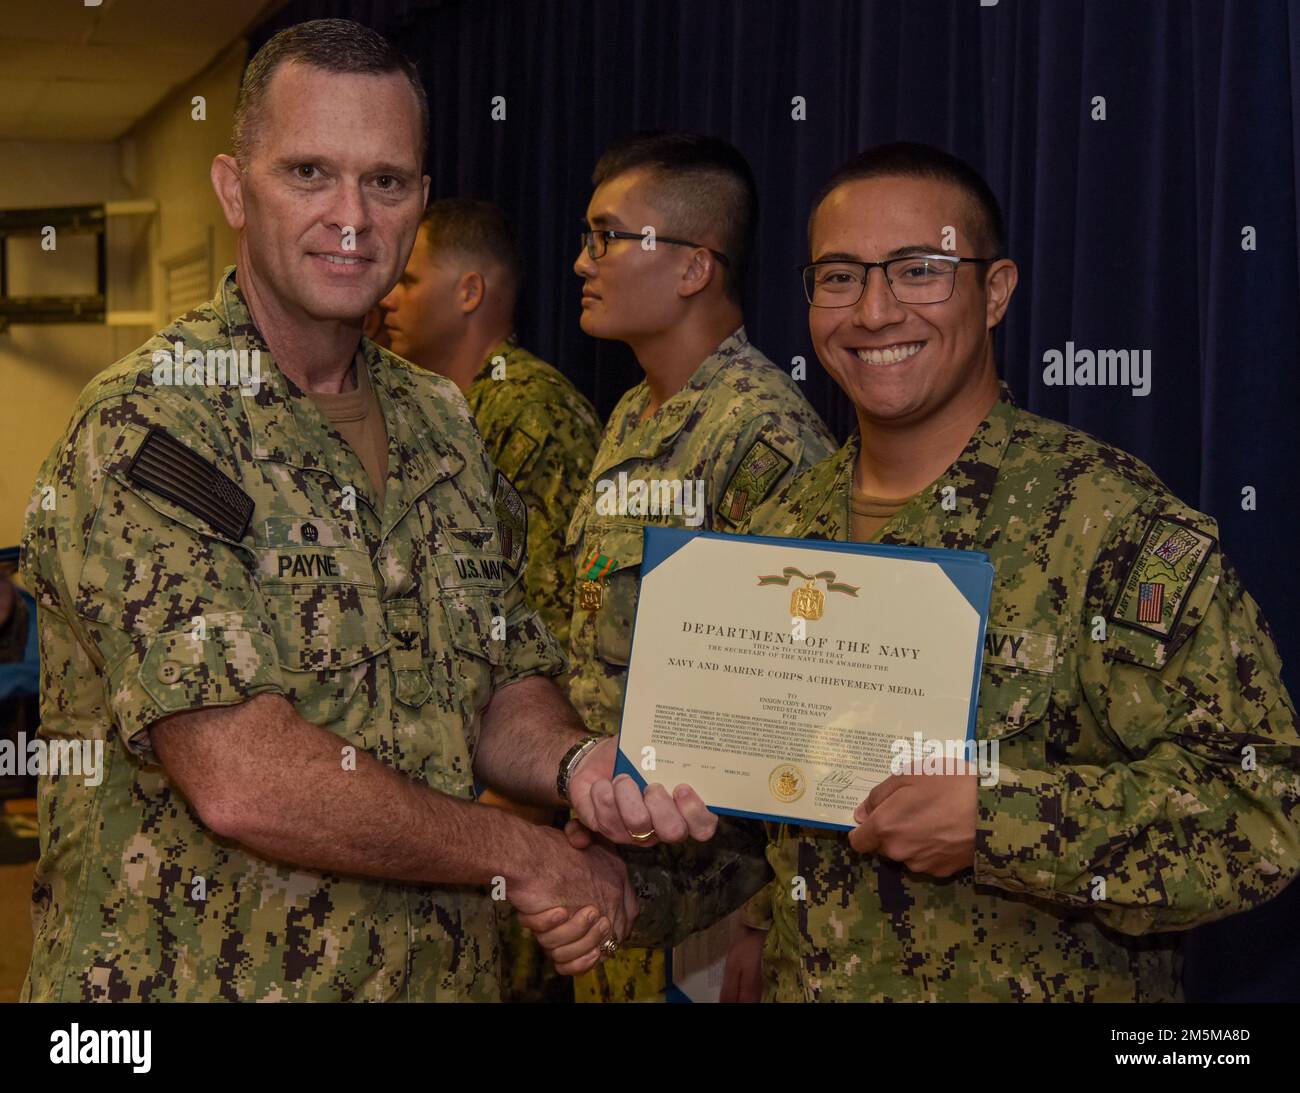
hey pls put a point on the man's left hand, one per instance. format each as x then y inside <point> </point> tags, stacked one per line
<point>925,821</point>
<point>617,809</point>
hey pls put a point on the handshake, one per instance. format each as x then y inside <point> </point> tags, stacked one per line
<point>576,896</point>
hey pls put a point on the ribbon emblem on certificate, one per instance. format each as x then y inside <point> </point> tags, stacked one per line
<point>591,592</point>
<point>808,602</point>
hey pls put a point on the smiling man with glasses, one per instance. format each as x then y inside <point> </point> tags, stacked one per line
<point>713,413</point>
<point>1123,812</point>
<point>1146,771</point>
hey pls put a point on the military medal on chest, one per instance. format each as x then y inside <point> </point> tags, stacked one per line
<point>590,595</point>
<point>591,586</point>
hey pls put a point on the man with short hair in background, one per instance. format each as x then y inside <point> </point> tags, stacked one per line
<point>713,416</point>
<point>453,312</point>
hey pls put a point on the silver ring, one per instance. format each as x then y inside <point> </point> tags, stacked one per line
<point>608,947</point>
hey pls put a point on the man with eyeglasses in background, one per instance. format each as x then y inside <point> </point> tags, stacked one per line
<point>713,416</point>
<point>1147,748</point>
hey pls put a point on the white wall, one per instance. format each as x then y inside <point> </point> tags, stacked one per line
<point>165,157</point>
<point>42,368</point>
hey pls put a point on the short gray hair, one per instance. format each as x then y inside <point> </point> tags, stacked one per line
<point>336,45</point>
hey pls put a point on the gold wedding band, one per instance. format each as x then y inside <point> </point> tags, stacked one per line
<point>643,838</point>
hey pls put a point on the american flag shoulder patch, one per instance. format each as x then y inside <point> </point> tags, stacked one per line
<point>512,522</point>
<point>1164,571</point>
<point>1151,597</point>
<point>753,479</point>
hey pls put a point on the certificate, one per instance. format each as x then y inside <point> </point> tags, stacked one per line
<point>784,678</point>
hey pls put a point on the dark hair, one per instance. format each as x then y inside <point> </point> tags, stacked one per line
<point>702,184</point>
<point>336,45</point>
<point>476,228</point>
<point>904,159</point>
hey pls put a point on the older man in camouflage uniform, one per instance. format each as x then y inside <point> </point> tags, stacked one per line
<point>1148,751</point>
<point>290,610</point>
<point>714,418</point>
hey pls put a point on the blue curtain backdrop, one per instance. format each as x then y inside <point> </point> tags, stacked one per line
<point>1128,230</point>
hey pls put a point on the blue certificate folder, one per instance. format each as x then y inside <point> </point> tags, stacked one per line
<point>970,571</point>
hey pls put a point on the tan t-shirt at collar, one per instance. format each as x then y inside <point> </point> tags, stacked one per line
<point>869,514</point>
<point>357,417</point>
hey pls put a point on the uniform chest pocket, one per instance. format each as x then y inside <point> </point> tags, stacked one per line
<point>621,544</point>
<point>323,627</point>
<point>468,632</point>
<point>1012,706</point>
<point>320,592</point>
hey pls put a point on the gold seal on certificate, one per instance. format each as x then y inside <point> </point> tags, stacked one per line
<point>784,678</point>
<point>787,783</point>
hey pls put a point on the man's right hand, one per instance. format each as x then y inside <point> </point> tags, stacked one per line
<point>586,890</point>
<point>569,939</point>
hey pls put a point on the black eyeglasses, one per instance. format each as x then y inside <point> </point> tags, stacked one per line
<point>597,242</point>
<point>913,279</point>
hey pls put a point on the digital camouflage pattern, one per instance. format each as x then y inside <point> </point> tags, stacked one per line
<point>737,421</point>
<point>375,624</point>
<point>541,433</point>
<point>736,407</point>
<point>1121,757</point>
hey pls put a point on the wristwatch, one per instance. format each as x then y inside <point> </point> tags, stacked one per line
<point>570,762</point>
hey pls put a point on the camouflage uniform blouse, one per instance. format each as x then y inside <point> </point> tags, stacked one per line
<point>541,433</point>
<point>738,429</point>
<point>1148,751</point>
<point>192,547</point>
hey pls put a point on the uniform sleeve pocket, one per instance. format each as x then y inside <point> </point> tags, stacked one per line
<point>216,661</point>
